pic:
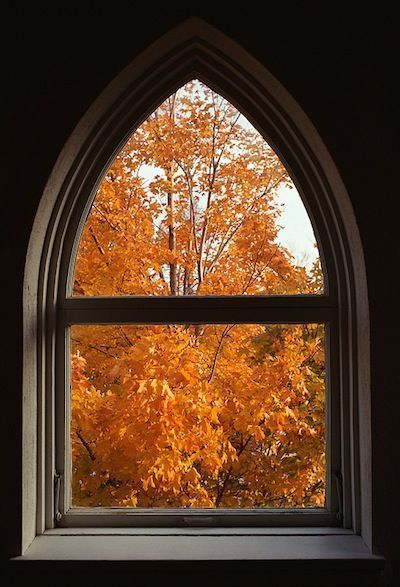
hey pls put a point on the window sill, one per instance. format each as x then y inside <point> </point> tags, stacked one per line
<point>323,557</point>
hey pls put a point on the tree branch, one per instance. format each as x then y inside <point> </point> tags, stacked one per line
<point>86,445</point>
<point>97,243</point>
<point>225,332</point>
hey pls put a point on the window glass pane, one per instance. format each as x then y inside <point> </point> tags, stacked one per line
<point>205,416</point>
<point>197,203</point>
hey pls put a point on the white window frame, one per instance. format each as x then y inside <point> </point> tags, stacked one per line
<point>194,49</point>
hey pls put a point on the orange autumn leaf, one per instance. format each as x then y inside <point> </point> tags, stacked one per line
<point>195,415</point>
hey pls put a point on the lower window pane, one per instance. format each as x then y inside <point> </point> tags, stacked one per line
<point>200,416</point>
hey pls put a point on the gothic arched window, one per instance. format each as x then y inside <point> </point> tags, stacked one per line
<point>198,413</point>
<point>198,307</point>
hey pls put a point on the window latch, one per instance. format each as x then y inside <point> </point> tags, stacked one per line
<point>339,493</point>
<point>57,492</point>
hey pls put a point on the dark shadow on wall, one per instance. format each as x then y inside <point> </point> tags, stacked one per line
<point>339,60</point>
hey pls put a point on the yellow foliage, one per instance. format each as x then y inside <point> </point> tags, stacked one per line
<point>184,415</point>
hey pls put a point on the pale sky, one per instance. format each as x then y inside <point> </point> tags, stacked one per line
<point>296,233</point>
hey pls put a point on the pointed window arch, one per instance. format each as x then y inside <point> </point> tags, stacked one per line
<point>194,205</point>
<point>196,272</point>
<point>197,203</point>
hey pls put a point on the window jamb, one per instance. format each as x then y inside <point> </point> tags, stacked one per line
<point>290,301</point>
<point>50,315</point>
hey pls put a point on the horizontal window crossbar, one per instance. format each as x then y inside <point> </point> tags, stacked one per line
<point>200,316</point>
<point>198,302</point>
<point>195,311</point>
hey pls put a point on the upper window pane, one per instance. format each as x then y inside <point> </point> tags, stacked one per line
<point>197,203</point>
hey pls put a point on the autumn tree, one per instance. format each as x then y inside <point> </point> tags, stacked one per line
<point>213,415</point>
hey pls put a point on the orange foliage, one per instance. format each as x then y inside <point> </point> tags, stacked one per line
<point>194,415</point>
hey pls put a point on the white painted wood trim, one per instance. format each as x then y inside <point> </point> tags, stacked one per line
<point>204,42</point>
<point>191,548</point>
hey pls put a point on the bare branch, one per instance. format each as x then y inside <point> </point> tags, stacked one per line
<point>86,445</point>
<point>97,243</point>
<point>224,334</point>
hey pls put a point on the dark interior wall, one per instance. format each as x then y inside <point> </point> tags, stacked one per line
<point>338,60</point>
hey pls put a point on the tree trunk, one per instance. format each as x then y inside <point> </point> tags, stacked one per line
<point>173,283</point>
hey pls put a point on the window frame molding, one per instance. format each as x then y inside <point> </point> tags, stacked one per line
<point>192,49</point>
